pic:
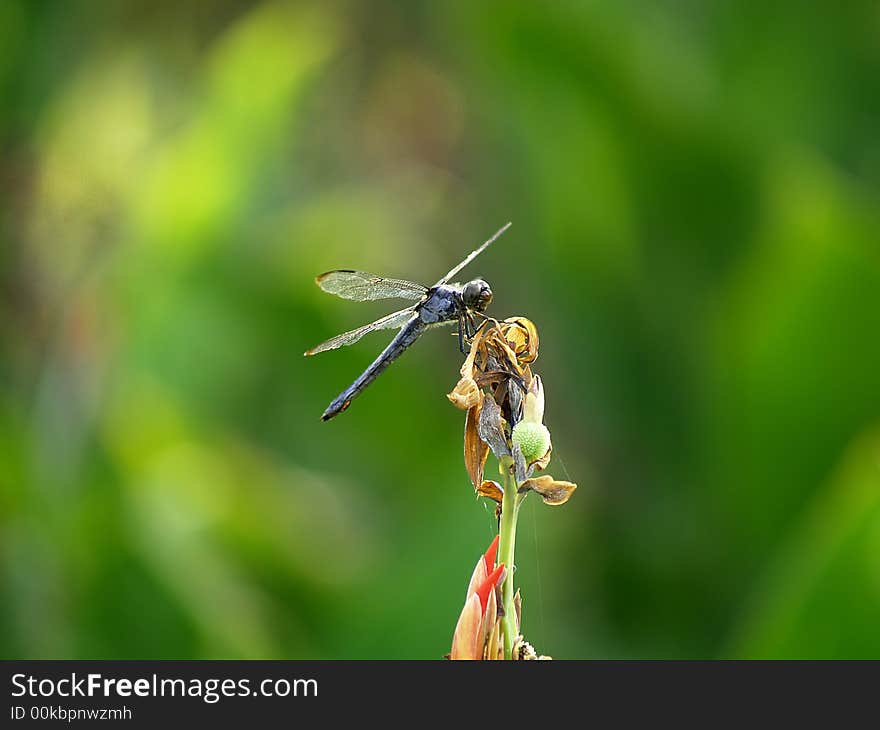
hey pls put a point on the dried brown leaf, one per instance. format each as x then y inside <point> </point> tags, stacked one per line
<point>491,377</point>
<point>475,449</point>
<point>552,491</point>
<point>523,338</point>
<point>491,428</point>
<point>515,400</point>
<point>466,394</point>
<point>492,490</point>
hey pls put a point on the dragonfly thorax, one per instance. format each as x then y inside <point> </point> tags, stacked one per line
<point>476,295</point>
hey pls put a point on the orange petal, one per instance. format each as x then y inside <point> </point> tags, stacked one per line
<point>491,553</point>
<point>488,586</point>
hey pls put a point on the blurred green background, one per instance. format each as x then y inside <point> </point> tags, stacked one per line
<point>694,189</point>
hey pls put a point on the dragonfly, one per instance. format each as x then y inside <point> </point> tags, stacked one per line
<point>441,304</point>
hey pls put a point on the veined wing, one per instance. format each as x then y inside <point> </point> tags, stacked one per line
<point>473,254</point>
<point>390,321</point>
<point>362,287</point>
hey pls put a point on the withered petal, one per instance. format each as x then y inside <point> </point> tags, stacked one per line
<point>492,490</point>
<point>491,377</point>
<point>523,336</point>
<point>475,449</point>
<point>467,368</point>
<point>552,491</point>
<point>509,360</point>
<point>515,399</point>
<point>491,429</point>
<point>466,393</point>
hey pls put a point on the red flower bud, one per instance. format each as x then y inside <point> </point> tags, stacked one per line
<point>477,631</point>
<point>489,585</point>
<point>491,553</point>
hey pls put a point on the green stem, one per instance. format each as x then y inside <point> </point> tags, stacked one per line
<point>507,544</point>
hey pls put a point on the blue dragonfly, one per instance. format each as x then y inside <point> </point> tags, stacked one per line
<point>443,303</point>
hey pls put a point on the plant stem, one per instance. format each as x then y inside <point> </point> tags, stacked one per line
<point>507,544</point>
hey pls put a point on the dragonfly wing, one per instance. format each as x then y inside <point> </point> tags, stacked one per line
<point>391,321</point>
<point>473,254</point>
<point>362,287</point>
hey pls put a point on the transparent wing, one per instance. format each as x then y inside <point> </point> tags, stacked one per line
<point>391,321</point>
<point>362,287</point>
<point>474,254</point>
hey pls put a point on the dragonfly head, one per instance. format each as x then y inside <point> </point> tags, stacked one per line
<point>476,295</point>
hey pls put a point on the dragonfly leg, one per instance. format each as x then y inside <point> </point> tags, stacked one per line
<point>471,327</point>
<point>486,318</point>
<point>461,333</point>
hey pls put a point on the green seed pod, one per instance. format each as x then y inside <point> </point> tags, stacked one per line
<point>532,438</point>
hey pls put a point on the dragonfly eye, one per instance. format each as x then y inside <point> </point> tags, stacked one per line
<point>477,295</point>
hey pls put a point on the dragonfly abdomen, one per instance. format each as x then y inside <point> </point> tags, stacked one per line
<point>408,334</point>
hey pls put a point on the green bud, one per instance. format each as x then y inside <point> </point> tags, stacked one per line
<point>532,438</point>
